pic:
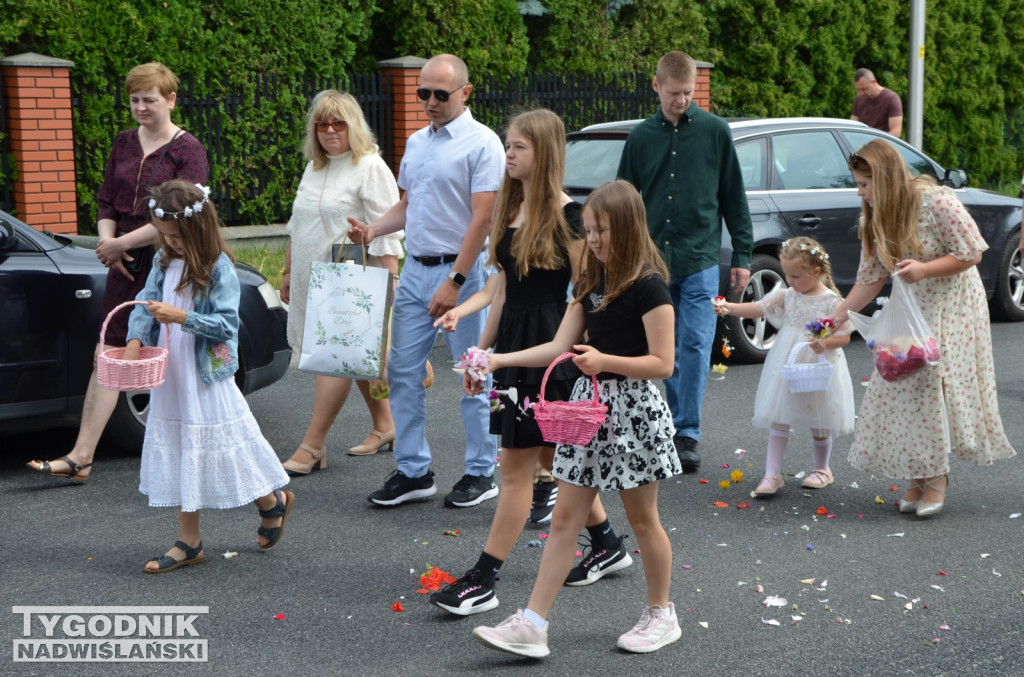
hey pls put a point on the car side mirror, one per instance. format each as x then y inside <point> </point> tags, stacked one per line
<point>6,235</point>
<point>955,178</point>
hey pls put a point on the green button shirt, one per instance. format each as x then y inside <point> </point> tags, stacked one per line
<point>690,180</point>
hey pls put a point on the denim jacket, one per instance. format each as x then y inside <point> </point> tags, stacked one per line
<point>213,319</point>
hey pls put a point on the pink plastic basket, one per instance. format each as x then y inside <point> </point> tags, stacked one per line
<point>114,373</point>
<point>568,422</point>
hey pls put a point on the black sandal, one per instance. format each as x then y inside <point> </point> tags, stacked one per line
<point>71,473</point>
<point>167,563</point>
<point>273,534</point>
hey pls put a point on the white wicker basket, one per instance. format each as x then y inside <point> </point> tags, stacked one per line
<point>806,377</point>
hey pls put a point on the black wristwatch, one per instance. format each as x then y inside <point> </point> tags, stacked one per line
<point>457,278</point>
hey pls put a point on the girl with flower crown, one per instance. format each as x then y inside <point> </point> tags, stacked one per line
<point>203,448</point>
<point>800,313</point>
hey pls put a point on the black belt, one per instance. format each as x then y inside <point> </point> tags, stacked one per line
<point>435,260</point>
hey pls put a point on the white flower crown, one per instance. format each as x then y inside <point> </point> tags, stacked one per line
<point>822,256</point>
<point>187,211</point>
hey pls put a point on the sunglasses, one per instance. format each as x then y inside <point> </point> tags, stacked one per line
<point>439,94</point>
<point>324,125</point>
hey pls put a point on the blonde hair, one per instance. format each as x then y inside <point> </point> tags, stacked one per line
<point>342,106</point>
<point>631,252</point>
<point>889,228</point>
<point>543,239</point>
<point>149,75</point>
<point>200,233</point>
<point>676,66</point>
<point>809,253</point>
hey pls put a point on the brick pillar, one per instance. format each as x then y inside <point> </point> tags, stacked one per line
<point>407,116</point>
<point>38,93</point>
<point>702,94</point>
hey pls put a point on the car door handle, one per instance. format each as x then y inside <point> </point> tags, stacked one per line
<point>809,221</point>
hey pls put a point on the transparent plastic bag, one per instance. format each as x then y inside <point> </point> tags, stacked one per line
<point>898,335</point>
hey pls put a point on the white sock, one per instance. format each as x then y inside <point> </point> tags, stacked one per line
<point>822,453</point>
<point>661,611</point>
<point>777,442</point>
<point>535,618</point>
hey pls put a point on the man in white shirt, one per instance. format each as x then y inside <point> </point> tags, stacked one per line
<point>450,175</point>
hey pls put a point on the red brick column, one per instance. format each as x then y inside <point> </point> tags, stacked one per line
<point>702,94</point>
<point>407,116</point>
<point>38,93</point>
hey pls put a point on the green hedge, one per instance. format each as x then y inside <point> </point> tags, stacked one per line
<point>772,58</point>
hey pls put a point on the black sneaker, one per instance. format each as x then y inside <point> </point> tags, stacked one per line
<point>466,596</point>
<point>544,495</point>
<point>471,490</point>
<point>686,450</point>
<point>598,564</point>
<point>398,489</point>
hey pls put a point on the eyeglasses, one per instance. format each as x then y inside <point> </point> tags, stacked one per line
<point>439,94</point>
<point>336,125</point>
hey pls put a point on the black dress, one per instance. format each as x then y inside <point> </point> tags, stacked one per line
<point>533,310</point>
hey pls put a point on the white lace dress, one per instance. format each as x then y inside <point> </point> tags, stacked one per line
<point>325,198</point>
<point>203,447</point>
<point>788,310</point>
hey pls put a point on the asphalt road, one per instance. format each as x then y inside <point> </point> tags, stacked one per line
<point>343,563</point>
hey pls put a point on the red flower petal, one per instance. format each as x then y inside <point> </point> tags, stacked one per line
<point>397,606</point>
<point>703,481</point>
<point>743,506</point>
<point>720,504</point>
<point>822,510</point>
<point>279,617</point>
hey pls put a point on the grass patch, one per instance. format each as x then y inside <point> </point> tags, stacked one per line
<point>269,260</point>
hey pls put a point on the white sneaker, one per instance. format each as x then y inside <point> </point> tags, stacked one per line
<point>516,635</point>
<point>651,632</point>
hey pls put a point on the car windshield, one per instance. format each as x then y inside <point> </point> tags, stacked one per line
<point>589,162</point>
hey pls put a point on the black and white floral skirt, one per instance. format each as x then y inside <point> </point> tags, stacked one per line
<point>634,446</point>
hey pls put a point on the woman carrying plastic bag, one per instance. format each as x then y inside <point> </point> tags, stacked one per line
<point>906,428</point>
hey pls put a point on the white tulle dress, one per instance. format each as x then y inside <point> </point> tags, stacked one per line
<point>788,310</point>
<point>203,447</point>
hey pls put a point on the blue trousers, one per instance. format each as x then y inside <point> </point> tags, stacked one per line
<point>412,338</point>
<point>695,334</point>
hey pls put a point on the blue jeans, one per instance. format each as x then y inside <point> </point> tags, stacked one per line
<point>412,338</point>
<point>695,334</point>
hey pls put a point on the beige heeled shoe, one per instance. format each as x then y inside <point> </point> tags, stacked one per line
<point>929,508</point>
<point>319,461</point>
<point>906,506</point>
<point>384,442</point>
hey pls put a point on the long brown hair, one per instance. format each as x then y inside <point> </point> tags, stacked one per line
<point>200,232</point>
<point>543,239</point>
<point>889,228</point>
<point>631,252</point>
<point>809,253</point>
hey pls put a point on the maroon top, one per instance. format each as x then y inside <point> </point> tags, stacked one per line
<point>877,111</point>
<point>122,198</point>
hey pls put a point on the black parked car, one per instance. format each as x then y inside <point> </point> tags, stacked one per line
<point>798,183</point>
<point>51,308</point>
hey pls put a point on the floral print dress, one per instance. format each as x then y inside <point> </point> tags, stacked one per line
<point>907,429</point>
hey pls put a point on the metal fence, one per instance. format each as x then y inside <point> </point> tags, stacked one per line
<point>580,99</point>
<point>6,162</point>
<point>208,117</point>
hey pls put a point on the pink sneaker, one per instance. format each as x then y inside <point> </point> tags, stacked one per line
<point>651,632</point>
<point>516,635</point>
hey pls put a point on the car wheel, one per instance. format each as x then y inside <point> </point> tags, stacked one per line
<point>127,426</point>
<point>751,338</point>
<point>1008,300</point>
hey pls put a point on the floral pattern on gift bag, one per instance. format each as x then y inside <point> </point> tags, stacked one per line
<point>347,316</point>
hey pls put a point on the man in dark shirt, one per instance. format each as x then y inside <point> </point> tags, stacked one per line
<point>875,105</point>
<point>683,162</point>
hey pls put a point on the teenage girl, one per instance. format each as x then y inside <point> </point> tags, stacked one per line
<point>623,306</point>
<point>203,448</point>
<point>535,243</point>
<point>811,296</point>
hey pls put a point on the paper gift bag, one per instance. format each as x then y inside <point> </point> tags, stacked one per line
<point>348,309</point>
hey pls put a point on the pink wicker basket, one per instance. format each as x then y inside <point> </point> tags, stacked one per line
<point>568,422</point>
<point>114,373</point>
